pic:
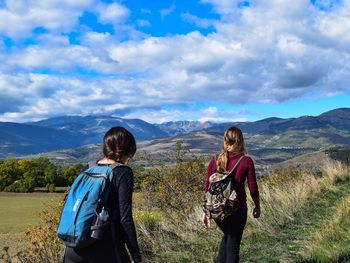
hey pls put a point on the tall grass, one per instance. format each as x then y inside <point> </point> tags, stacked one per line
<point>174,233</point>
<point>331,243</point>
<point>285,195</point>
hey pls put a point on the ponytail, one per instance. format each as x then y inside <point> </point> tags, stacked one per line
<point>222,160</point>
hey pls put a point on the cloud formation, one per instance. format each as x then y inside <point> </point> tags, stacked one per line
<point>267,51</point>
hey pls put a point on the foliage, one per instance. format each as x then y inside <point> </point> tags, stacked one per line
<point>43,243</point>
<point>51,187</point>
<point>175,189</point>
<point>296,209</point>
<point>25,175</point>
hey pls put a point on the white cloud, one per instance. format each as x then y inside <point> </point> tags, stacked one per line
<point>112,13</point>
<point>167,11</point>
<point>55,16</point>
<point>208,114</point>
<point>143,23</point>
<point>199,22</point>
<point>273,51</point>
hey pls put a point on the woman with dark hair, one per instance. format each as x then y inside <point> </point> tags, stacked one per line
<point>232,226</point>
<point>118,146</point>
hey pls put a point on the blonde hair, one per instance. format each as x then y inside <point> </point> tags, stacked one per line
<point>233,142</point>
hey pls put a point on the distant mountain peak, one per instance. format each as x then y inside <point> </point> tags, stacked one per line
<point>336,113</point>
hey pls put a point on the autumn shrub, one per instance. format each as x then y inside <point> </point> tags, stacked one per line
<point>176,188</point>
<point>43,243</point>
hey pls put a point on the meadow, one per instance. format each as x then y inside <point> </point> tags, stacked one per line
<point>17,212</point>
<point>305,218</point>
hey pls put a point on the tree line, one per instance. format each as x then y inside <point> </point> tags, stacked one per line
<point>19,175</point>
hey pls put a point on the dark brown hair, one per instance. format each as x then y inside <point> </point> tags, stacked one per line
<point>118,143</point>
<point>233,142</point>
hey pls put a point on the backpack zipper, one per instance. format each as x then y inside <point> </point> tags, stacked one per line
<point>80,205</point>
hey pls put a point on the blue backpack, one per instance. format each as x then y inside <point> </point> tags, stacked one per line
<point>87,196</point>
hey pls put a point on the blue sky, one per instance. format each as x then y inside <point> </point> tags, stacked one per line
<point>160,60</point>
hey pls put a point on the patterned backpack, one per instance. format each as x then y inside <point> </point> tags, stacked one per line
<point>221,199</point>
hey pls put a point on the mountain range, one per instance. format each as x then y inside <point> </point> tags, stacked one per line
<point>270,140</point>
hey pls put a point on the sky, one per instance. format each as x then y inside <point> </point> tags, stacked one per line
<point>168,60</point>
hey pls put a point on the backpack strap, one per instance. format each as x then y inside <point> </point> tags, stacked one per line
<point>236,164</point>
<point>92,163</point>
<point>112,166</point>
<point>234,167</point>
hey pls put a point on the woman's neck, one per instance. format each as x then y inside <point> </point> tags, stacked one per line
<point>105,160</point>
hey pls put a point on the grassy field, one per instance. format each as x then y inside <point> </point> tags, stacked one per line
<point>305,218</point>
<point>17,212</point>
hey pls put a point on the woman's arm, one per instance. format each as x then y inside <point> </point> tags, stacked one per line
<point>253,188</point>
<point>125,190</point>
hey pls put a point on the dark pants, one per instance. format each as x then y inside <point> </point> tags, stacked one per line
<point>232,227</point>
<point>101,251</point>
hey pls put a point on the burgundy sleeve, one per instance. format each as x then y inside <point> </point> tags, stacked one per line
<point>252,184</point>
<point>211,169</point>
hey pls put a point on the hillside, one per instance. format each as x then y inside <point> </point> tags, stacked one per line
<point>174,128</point>
<point>338,119</point>
<point>92,128</point>
<point>270,140</point>
<point>25,138</point>
<point>66,132</point>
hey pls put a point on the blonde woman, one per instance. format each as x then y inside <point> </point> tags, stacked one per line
<point>233,226</point>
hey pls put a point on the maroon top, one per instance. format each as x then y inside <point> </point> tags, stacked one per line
<point>244,170</point>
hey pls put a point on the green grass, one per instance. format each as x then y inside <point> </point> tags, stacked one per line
<point>18,211</point>
<point>293,240</point>
<point>302,238</point>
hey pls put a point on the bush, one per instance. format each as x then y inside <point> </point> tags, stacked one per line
<point>21,186</point>
<point>43,243</point>
<point>51,187</point>
<point>25,175</point>
<point>176,189</point>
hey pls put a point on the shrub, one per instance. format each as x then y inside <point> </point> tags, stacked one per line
<point>51,187</point>
<point>176,189</point>
<point>43,243</point>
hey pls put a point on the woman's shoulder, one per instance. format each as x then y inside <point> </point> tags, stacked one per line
<point>122,169</point>
<point>243,158</point>
<point>248,159</point>
<point>122,173</point>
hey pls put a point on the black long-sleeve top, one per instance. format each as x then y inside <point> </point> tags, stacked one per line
<point>120,207</point>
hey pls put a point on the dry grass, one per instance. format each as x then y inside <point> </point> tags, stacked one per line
<point>166,237</point>
<point>284,195</point>
<point>332,240</point>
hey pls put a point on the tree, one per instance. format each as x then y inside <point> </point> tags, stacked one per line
<point>9,173</point>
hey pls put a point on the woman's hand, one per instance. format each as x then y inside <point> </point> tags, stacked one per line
<point>205,220</point>
<point>256,212</point>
